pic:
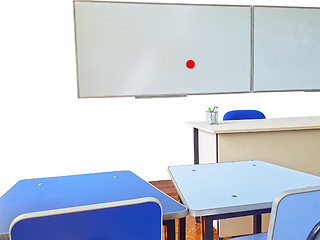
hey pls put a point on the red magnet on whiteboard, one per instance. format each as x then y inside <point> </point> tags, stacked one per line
<point>190,64</point>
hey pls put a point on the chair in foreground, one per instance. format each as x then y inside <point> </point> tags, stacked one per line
<point>295,215</point>
<point>243,114</point>
<point>136,219</point>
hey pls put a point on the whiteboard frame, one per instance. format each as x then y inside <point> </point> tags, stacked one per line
<point>253,42</point>
<point>250,80</point>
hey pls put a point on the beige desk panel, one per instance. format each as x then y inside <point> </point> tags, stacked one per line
<point>241,225</point>
<point>299,150</point>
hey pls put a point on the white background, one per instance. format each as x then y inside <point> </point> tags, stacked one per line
<point>45,130</point>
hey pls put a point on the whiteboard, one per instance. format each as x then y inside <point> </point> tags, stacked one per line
<point>132,49</point>
<point>286,48</point>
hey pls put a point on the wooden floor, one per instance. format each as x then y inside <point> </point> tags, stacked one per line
<point>193,230</point>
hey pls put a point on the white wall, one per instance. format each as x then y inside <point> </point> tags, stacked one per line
<point>45,130</point>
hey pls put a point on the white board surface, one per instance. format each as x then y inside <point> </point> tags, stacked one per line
<point>286,48</point>
<point>130,49</point>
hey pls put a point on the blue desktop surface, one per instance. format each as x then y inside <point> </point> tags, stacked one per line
<point>222,188</point>
<point>69,191</point>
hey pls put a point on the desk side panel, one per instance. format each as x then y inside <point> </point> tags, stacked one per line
<point>207,147</point>
<point>298,150</point>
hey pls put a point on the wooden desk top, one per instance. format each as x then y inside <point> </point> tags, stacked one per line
<point>260,125</point>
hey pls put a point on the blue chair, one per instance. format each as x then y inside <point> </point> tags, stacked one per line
<point>243,114</point>
<point>137,219</point>
<point>295,215</point>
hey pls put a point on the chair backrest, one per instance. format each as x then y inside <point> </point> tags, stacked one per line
<point>315,232</point>
<point>137,219</point>
<point>243,114</point>
<point>294,214</point>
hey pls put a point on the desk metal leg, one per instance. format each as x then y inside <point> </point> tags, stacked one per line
<point>196,145</point>
<point>207,221</point>
<point>207,228</point>
<point>182,228</point>
<point>257,223</point>
<point>202,227</point>
<point>171,229</point>
<point>196,155</point>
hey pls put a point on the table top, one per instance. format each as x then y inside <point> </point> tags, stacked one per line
<point>260,125</point>
<point>69,191</point>
<point>223,188</point>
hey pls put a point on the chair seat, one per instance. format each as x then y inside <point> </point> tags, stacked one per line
<point>259,236</point>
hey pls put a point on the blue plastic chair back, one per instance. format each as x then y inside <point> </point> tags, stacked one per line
<point>294,214</point>
<point>315,233</point>
<point>137,219</point>
<point>243,114</point>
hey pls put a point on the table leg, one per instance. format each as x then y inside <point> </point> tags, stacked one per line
<point>196,145</point>
<point>196,155</point>
<point>207,228</point>
<point>182,228</point>
<point>257,223</point>
<point>171,229</point>
<point>202,227</point>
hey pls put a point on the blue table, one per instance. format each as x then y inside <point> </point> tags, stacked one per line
<point>233,189</point>
<point>69,191</point>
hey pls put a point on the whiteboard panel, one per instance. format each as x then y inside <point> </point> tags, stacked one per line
<point>130,49</point>
<point>286,49</point>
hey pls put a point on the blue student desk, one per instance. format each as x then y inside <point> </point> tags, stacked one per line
<point>233,189</point>
<point>69,191</point>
